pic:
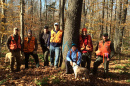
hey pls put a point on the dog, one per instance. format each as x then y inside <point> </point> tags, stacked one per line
<point>8,58</point>
<point>80,71</point>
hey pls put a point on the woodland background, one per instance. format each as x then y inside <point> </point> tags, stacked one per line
<point>98,16</point>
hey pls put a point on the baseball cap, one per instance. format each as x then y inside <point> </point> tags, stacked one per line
<point>16,28</point>
<point>56,24</point>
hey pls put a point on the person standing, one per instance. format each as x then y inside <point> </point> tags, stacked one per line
<point>14,46</point>
<point>104,52</point>
<point>30,47</point>
<point>55,44</point>
<point>86,48</point>
<point>44,36</point>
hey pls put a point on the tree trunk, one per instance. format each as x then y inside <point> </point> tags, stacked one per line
<point>123,21</point>
<point>3,26</point>
<point>61,17</point>
<point>22,5</point>
<point>40,15</point>
<point>111,5</point>
<point>118,23</point>
<point>46,11</point>
<point>84,15</point>
<point>102,19</point>
<point>72,26</point>
<point>62,14</point>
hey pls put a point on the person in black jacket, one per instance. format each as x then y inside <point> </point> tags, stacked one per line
<point>43,42</point>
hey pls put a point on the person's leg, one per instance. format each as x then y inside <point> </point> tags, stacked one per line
<point>35,56</point>
<point>52,53</point>
<point>57,54</point>
<point>96,64</point>
<point>18,59</point>
<point>106,67</point>
<point>46,62</point>
<point>88,59</point>
<point>83,60</point>
<point>12,61</point>
<point>26,59</point>
<point>68,67</point>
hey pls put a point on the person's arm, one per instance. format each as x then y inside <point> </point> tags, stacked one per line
<point>97,46</point>
<point>68,56</point>
<point>40,39</point>
<point>48,42</point>
<point>79,58</point>
<point>91,45</point>
<point>112,50</point>
<point>36,45</point>
<point>8,42</point>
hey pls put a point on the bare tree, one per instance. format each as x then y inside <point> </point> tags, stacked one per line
<point>72,26</point>
<point>62,14</point>
<point>22,5</point>
<point>102,26</point>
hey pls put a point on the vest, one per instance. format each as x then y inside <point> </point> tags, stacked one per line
<point>29,47</point>
<point>104,48</point>
<point>14,45</point>
<point>56,37</point>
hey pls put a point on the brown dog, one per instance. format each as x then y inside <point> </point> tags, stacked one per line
<point>80,71</point>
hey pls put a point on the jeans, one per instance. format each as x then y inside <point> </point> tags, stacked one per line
<point>54,51</point>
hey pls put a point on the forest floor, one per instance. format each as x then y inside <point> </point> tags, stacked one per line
<point>119,75</point>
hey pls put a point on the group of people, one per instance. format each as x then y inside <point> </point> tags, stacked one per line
<point>51,43</point>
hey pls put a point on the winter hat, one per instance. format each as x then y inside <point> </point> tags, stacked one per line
<point>84,29</point>
<point>45,27</point>
<point>105,34</point>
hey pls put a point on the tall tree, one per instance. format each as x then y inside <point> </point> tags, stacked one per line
<point>22,5</point>
<point>3,22</point>
<point>62,14</point>
<point>118,23</point>
<point>102,26</point>
<point>84,15</point>
<point>46,11</point>
<point>72,26</point>
<point>40,15</point>
<point>123,21</point>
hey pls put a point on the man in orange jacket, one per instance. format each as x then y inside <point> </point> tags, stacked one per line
<point>104,52</point>
<point>30,47</point>
<point>14,46</point>
<point>86,48</point>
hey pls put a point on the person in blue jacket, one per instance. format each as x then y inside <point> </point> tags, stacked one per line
<point>73,55</point>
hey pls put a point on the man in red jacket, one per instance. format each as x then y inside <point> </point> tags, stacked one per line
<point>86,48</point>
